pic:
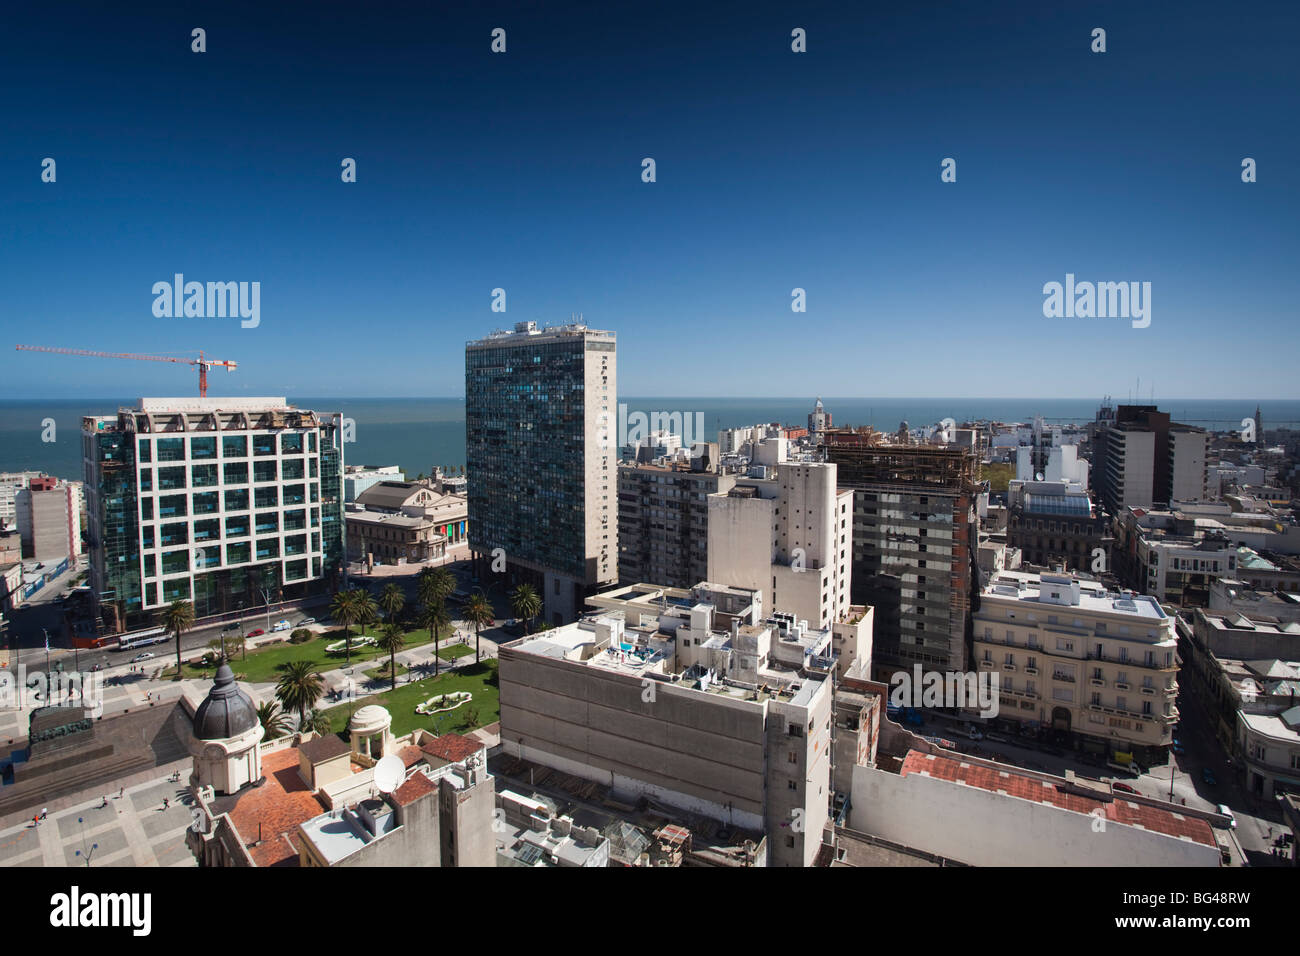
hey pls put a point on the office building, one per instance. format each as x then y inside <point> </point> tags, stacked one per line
<point>914,538</point>
<point>1144,459</point>
<point>218,501</point>
<point>357,478</point>
<point>542,457</point>
<point>1073,657</point>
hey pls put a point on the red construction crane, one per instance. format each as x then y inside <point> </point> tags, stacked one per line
<point>201,362</point>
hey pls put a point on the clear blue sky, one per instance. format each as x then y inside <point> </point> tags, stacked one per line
<point>775,170</point>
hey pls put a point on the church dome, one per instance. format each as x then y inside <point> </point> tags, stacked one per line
<point>227,711</point>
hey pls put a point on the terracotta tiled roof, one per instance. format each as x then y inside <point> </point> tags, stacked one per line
<point>413,789</point>
<point>411,755</point>
<point>1015,784</point>
<point>279,805</point>
<point>452,748</point>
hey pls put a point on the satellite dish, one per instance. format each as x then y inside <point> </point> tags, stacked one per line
<point>389,773</point>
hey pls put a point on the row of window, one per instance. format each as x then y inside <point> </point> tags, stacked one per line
<point>232,446</point>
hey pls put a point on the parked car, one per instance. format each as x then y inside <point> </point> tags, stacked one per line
<point>306,620</point>
<point>1232,820</point>
<point>147,655</point>
<point>257,633</point>
<point>282,625</point>
<point>1208,776</point>
<point>1124,787</point>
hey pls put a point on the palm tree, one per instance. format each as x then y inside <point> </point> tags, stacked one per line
<point>392,600</point>
<point>367,610</point>
<point>436,584</point>
<point>319,724</point>
<point>392,640</point>
<point>345,611</point>
<point>480,613</point>
<point>434,616</point>
<point>177,619</point>
<point>526,604</point>
<point>298,688</point>
<point>273,720</point>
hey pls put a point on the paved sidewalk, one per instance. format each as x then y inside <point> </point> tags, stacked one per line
<point>132,830</point>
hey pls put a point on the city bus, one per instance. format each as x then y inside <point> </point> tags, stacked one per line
<point>155,635</point>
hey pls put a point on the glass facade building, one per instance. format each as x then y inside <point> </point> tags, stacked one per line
<point>222,502</point>
<point>542,482</point>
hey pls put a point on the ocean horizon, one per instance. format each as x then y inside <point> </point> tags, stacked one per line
<point>420,433</point>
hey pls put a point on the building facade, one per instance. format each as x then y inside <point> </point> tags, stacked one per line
<point>542,459</point>
<point>218,501</point>
<point>914,537</point>
<point>788,535</point>
<point>1100,666</point>
<point>663,522</point>
<point>725,715</point>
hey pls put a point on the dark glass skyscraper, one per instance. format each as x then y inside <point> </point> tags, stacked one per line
<point>541,456</point>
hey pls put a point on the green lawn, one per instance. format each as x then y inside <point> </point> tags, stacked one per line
<point>479,679</point>
<point>263,663</point>
<point>998,474</point>
<point>381,672</point>
<point>453,651</point>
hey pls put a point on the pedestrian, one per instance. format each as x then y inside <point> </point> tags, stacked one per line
<point>166,803</point>
<point>104,803</point>
<point>36,821</point>
<point>44,812</point>
<point>120,791</point>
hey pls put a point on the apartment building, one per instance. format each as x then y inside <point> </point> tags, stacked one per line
<point>1098,665</point>
<point>914,539</point>
<point>542,460</point>
<point>663,521</point>
<point>711,710</point>
<point>11,482</point>
<point>789,536</point>
<point>218,501</point>
<point>48,513</point>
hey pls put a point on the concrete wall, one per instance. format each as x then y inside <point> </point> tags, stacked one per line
<point>596,724</point>
<point>988,829</point>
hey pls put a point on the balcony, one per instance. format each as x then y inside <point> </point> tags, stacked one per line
<point>1031,671</point>
<point>1008,667</point>
<point>1121,685</point>
<point>987,665</point>
<point>1149,691</point>
<point>1066,678</point>
<point>1096,682</point>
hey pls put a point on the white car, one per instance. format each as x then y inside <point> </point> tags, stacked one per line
<point>146,656</point>
<point>282,626</point>
<point>1232,820</point>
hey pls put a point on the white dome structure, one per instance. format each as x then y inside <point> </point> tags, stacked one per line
<point>371,731</point>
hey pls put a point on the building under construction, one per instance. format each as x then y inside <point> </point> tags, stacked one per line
<point>914,543</point>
